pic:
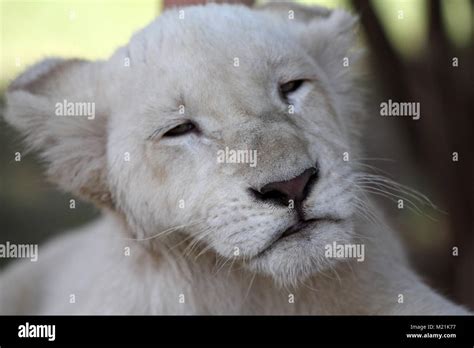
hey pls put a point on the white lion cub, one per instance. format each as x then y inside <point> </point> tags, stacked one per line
<point>270,227</point>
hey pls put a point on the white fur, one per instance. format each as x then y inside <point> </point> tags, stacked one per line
<point>190,62</point>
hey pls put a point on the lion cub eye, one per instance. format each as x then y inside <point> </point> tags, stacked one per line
<point>289,87</point>
<point>182,129</point>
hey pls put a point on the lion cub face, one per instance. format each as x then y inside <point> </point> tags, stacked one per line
<point>219,126</point>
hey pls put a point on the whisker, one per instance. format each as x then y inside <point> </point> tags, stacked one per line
<point>169,230</point>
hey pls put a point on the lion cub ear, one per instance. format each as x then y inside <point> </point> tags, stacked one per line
<point>59,108</point>
<point>293,11</point>
<point>328,35</point>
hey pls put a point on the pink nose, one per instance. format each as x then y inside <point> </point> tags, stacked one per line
<point>296,189</point>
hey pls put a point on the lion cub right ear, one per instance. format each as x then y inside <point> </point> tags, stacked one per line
<point>59,107</point>
<point>292,10</point>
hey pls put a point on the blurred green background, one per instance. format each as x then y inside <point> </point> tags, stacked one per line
<point>32,30</point>
<point>31,210</point>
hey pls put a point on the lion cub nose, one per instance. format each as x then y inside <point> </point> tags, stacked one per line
<point>296,189</point>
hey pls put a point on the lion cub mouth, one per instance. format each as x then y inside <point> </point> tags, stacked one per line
<point>304,224</point>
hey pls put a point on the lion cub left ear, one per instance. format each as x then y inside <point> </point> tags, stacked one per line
<point>59,107</point>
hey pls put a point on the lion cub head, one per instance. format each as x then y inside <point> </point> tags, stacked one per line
<point>216,125</point>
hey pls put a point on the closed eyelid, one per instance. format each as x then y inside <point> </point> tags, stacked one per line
<point>155,133</point>
<point>161,130</point>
